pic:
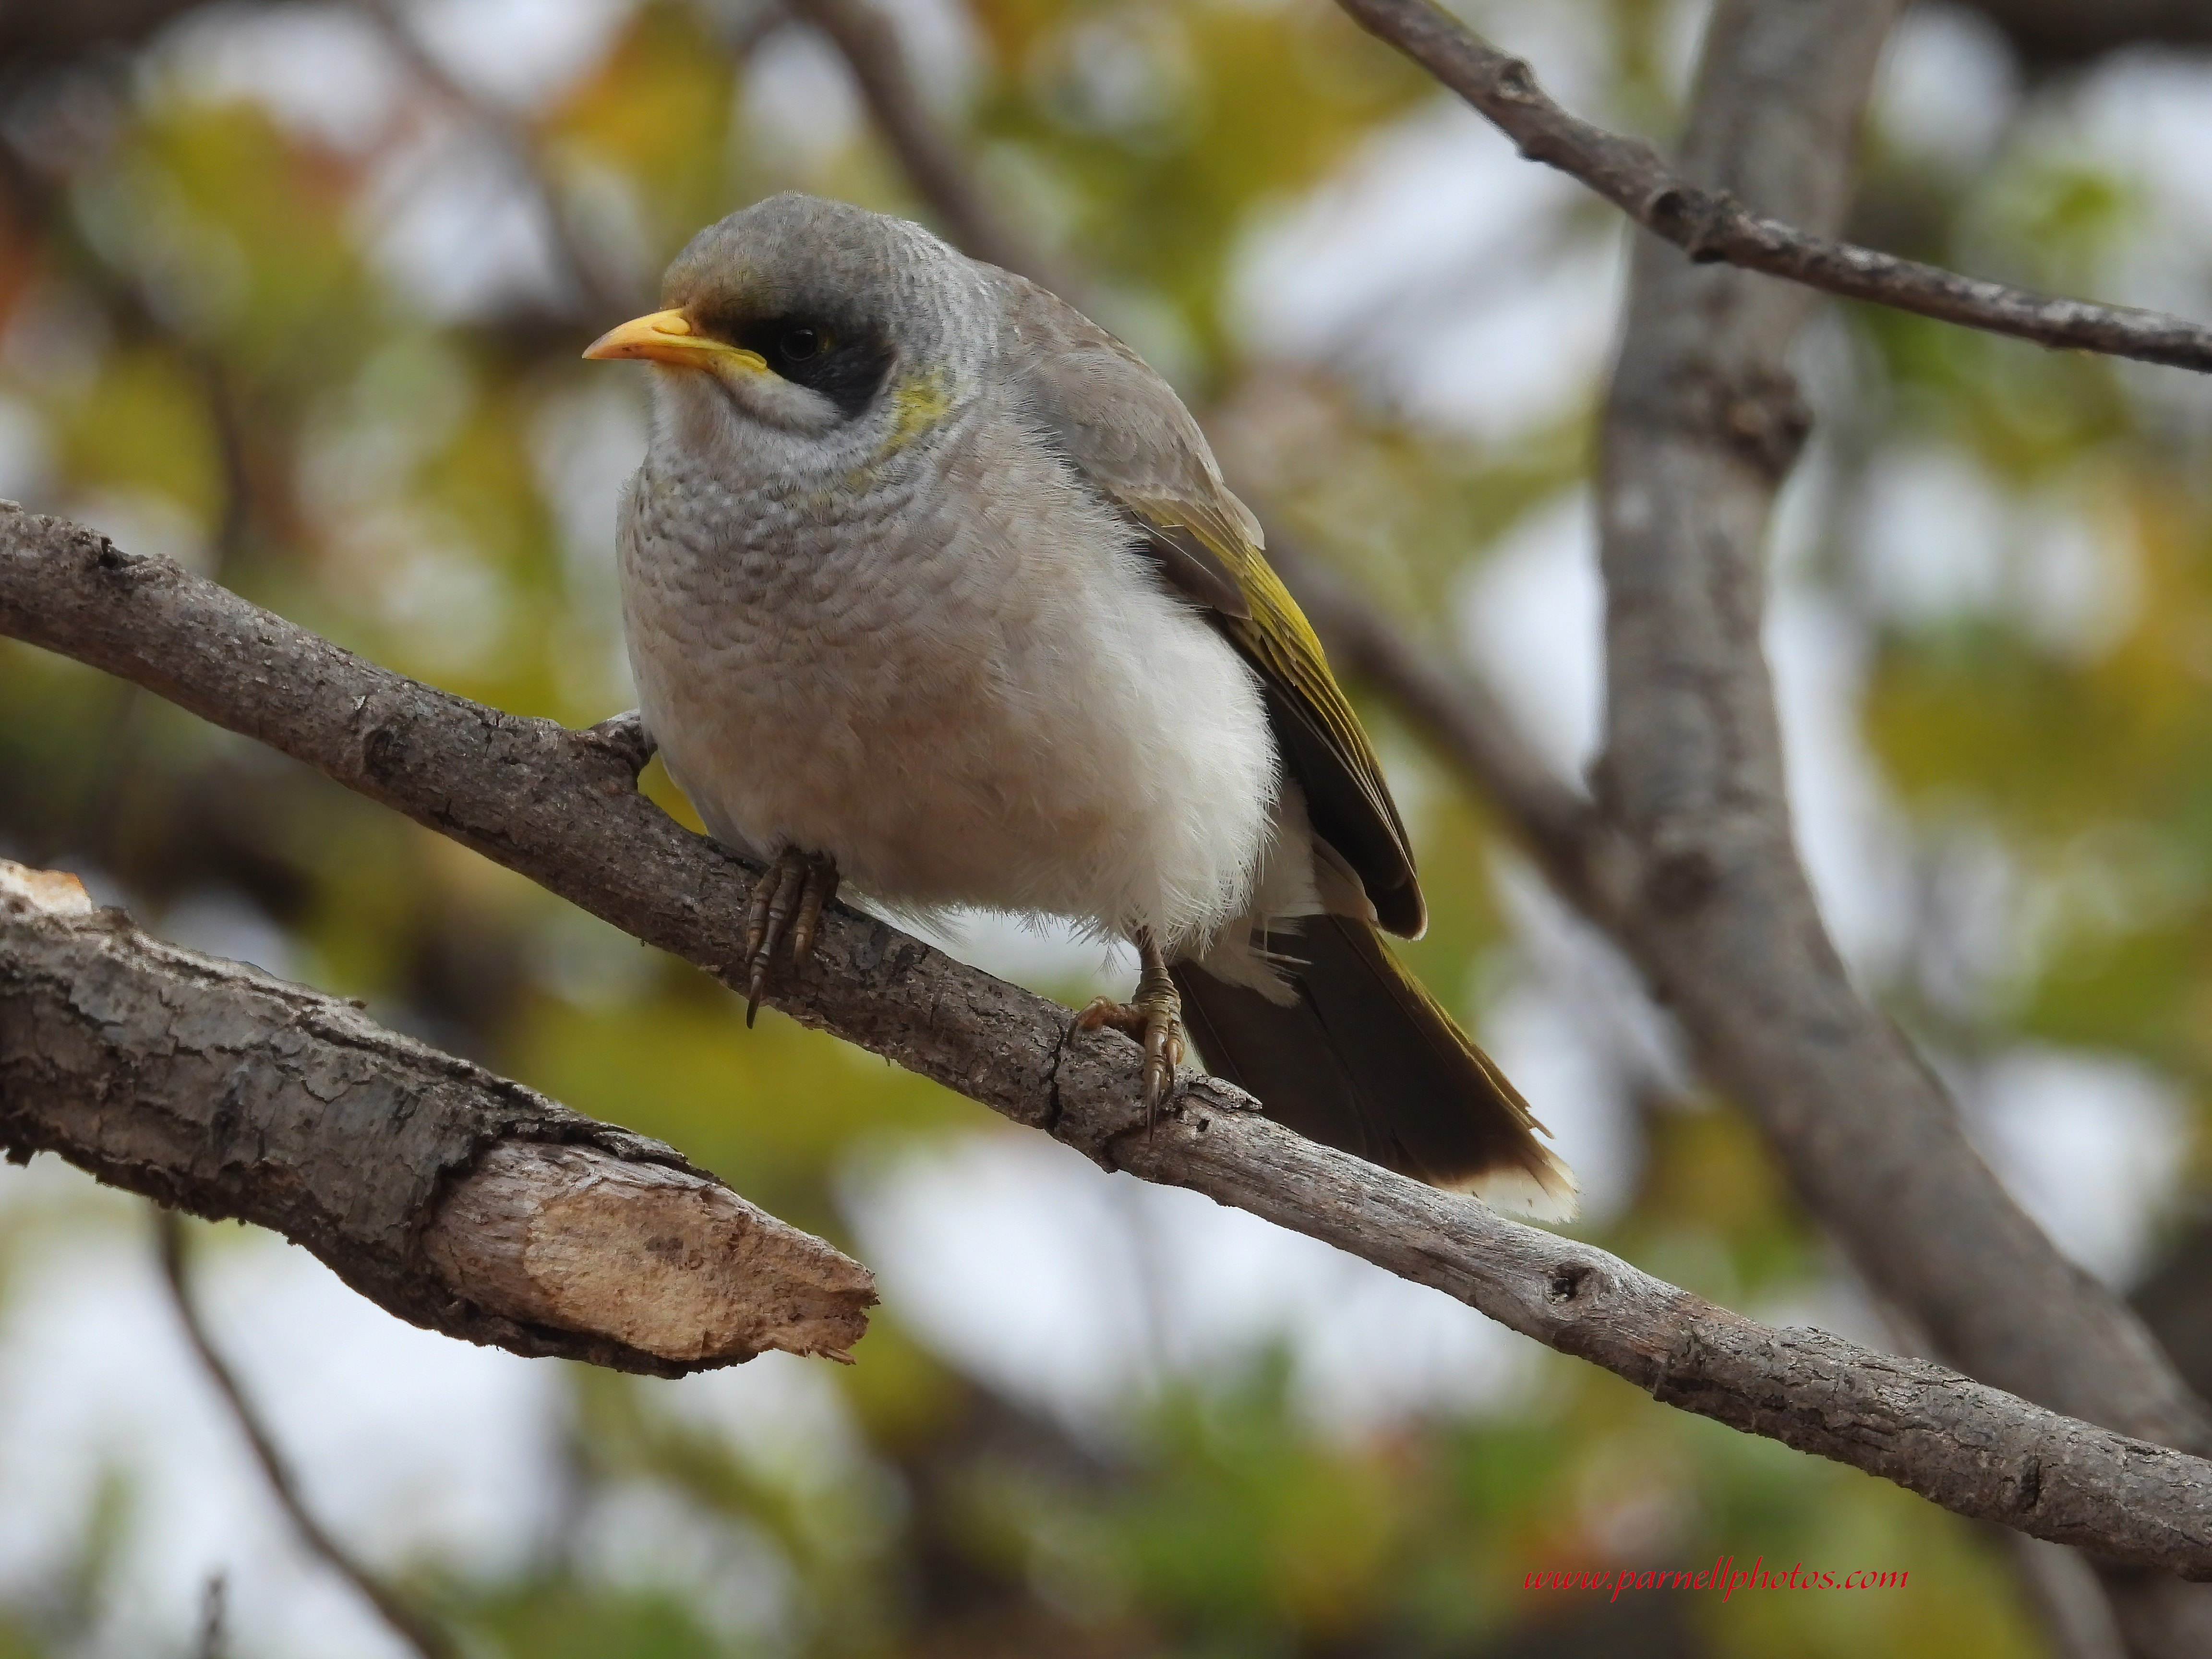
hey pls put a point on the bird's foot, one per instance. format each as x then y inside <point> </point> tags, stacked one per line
<point>1153,1021</point>
<point>788,897</point>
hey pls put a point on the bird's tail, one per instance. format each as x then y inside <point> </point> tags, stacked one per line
<point>1365,1060</point>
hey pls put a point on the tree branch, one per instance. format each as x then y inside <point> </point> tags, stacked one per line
<point>562,807</point>
<point>411,1628</point>
<point>1710,225</point>
<point>457,1201</point>
<point>593,289</point>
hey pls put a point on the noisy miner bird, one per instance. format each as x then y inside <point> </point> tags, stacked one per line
<point>932,586</point>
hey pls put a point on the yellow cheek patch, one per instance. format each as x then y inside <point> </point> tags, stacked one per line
<point>918,402</point>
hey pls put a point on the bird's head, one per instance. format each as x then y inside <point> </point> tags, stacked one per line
<point>805,318</point>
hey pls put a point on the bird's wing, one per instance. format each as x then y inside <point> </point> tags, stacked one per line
<point>1132,438</point>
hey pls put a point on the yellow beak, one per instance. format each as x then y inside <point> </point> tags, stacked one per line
<point>667,336</point>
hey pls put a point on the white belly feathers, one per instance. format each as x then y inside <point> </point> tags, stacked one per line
<point>1010,713</point>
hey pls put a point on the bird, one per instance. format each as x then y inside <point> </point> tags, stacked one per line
<point>932,586</point>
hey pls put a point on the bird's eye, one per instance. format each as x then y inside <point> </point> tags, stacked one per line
<point>799,344</point>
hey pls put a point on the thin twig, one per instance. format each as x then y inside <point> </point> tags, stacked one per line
<point>1712,225</point>
<point>406,1623</point>
<point>214,1600</point>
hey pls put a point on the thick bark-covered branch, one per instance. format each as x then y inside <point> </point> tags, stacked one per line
<point>456,1199</point>
<point>562,807</point>
<point>1712,225</point>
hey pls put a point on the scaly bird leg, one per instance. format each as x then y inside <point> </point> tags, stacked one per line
<point>790,894</point>
<point>1154,1020</point>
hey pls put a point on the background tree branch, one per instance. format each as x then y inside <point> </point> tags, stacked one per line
<point>1700,427</point>
<point>1466,723</point>
<point>560,807</point>
<point>1702,424</point>
<point>868,42</point>
<point>456,1200</point>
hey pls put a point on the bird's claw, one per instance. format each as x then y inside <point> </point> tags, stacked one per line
<point>789,897</point>
<point>1153,1021</point>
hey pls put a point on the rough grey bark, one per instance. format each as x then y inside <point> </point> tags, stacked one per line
<point>1707,221</point>
<point>562,808</point>
<point>1919,1424</point>
<point>211,1087</point>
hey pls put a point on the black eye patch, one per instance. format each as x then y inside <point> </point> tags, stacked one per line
<point>845,365</point>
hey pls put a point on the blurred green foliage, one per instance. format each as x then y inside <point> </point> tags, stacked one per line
<point>200,335</point>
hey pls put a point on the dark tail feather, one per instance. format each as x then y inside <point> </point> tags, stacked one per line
<point>1365,1060</point>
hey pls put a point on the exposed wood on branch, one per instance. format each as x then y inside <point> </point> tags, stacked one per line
<point>562,807</point>
<point>660,1259</point>
<point>455,1199</point>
